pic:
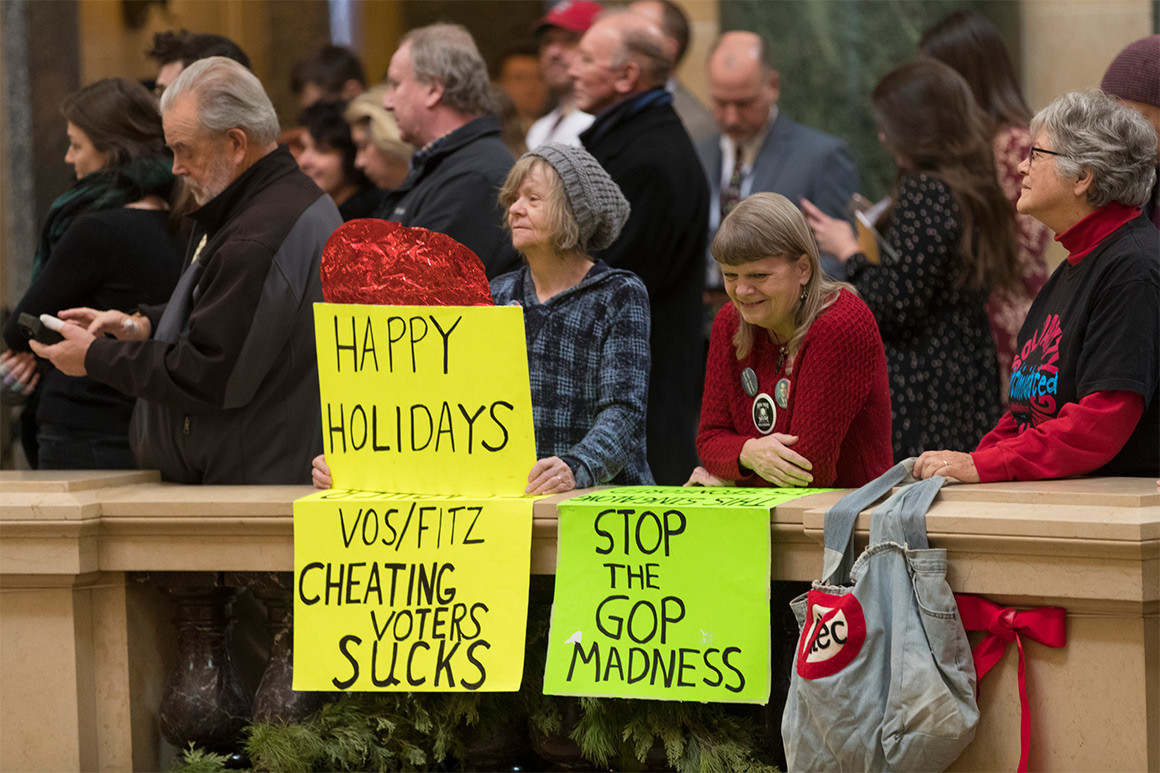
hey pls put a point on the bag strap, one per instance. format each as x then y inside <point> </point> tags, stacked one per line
<point>838,556</point>
<point>902,518</point>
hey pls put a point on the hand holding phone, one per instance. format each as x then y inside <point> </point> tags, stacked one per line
<point>44,329</point>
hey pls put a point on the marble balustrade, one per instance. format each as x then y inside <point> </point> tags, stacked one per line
<point>108,580</point>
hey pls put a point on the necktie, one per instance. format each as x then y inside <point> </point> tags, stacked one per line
<point>732,194</point>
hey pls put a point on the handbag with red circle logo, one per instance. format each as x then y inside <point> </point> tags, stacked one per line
<point>883,677</point>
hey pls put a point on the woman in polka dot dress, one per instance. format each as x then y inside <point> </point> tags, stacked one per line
<point>951,237</point>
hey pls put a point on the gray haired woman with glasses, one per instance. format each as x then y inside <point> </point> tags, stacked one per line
<point>1084,385</point>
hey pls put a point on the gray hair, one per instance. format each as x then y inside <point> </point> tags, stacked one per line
<point>1094,133</point>
<point>446,54</point>
<point>639,43</point>
<point>228,97</point>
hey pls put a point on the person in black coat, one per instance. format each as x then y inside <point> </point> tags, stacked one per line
<point>637,137</point>
<point>461,159</point>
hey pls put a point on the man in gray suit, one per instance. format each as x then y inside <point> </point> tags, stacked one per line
<point>759,149</point>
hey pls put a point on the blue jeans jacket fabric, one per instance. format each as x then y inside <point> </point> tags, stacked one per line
<point>883,676</point>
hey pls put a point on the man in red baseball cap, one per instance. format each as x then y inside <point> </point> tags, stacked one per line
<point>559,32</point>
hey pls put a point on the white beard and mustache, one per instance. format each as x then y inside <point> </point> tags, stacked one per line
<point>217,179</point>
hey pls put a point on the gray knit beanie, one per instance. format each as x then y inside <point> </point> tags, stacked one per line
<point>598,205</point>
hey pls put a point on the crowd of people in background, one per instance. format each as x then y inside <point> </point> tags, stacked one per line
<point>702,304</point>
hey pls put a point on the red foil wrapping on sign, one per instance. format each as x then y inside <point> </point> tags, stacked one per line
<point>379,262</point>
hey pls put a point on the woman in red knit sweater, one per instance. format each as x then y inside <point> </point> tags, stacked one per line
<point>796,392</point>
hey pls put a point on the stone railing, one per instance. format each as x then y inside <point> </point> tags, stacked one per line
<point>109,581</point>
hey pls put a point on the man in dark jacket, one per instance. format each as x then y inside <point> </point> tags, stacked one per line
<point>225,372</point>
<point>438,91</point>
<point>620,72</point>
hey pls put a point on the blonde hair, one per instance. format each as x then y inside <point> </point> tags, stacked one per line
<point>768,225</point>
<point>384,132</point>
<point>561,221</point>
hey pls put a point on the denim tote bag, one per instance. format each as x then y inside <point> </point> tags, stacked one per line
<point>883,678</point>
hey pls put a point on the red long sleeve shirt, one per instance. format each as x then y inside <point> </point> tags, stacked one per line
<point>1083,436</point>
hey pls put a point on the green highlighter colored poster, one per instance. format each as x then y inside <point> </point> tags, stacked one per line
<point>663,592</point>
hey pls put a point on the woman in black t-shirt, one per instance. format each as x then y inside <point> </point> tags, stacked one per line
<point>1084,384</point>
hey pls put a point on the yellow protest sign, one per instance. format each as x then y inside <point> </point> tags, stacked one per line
<point>408,592</point>
<point>425,399</point>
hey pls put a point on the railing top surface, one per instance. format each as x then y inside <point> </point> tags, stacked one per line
<point>1013,539</point>
<point>1106,509</point>
<point>144,485</point>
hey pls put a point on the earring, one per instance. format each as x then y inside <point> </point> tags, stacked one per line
<point>805,294</point>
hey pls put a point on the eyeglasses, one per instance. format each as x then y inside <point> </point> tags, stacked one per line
<point>1034,152</point>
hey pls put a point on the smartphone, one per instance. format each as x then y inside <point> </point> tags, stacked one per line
<point>35,328</point>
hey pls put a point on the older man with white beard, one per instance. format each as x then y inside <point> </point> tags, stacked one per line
<point>225,372</point>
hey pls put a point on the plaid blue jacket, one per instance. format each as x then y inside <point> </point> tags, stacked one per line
<point>588,356</point>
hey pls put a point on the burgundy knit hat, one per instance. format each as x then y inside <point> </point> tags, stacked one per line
<point>1134,75</point>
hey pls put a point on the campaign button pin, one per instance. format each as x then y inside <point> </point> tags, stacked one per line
<point>764,413</point>
<point>781,392</point>
<point>749,382</point>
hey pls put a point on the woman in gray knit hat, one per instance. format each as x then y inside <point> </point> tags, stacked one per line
<point>587,325</point>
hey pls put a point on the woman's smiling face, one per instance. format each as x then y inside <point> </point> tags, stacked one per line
<point>765,292</point>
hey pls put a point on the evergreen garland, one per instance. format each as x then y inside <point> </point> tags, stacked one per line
<point>695,737</point>
<point>422,731</point>
<point>366,731</point>
<point>194,760</point>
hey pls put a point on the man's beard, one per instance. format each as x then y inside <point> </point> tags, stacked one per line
<point>217,179</point>
<point>557,78</point>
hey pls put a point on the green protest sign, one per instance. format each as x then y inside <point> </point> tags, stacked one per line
<point>697,496</point>
<point>663,592</point>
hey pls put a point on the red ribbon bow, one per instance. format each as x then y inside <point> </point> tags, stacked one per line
<point>1044,625</point>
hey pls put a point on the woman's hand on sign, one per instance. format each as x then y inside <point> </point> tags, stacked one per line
<point>772,458</point>
<point>702,477</point>
<point>550,476</point>
<point>320,472</point>
<point>949,464</point>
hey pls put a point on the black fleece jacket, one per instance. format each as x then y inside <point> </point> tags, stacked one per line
<point>228,383</point>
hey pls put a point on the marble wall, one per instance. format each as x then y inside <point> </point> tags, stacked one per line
<point>830,54</point>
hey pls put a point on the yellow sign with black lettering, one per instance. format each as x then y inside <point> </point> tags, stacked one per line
<point>410,592</point>
<point>425,399</point>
